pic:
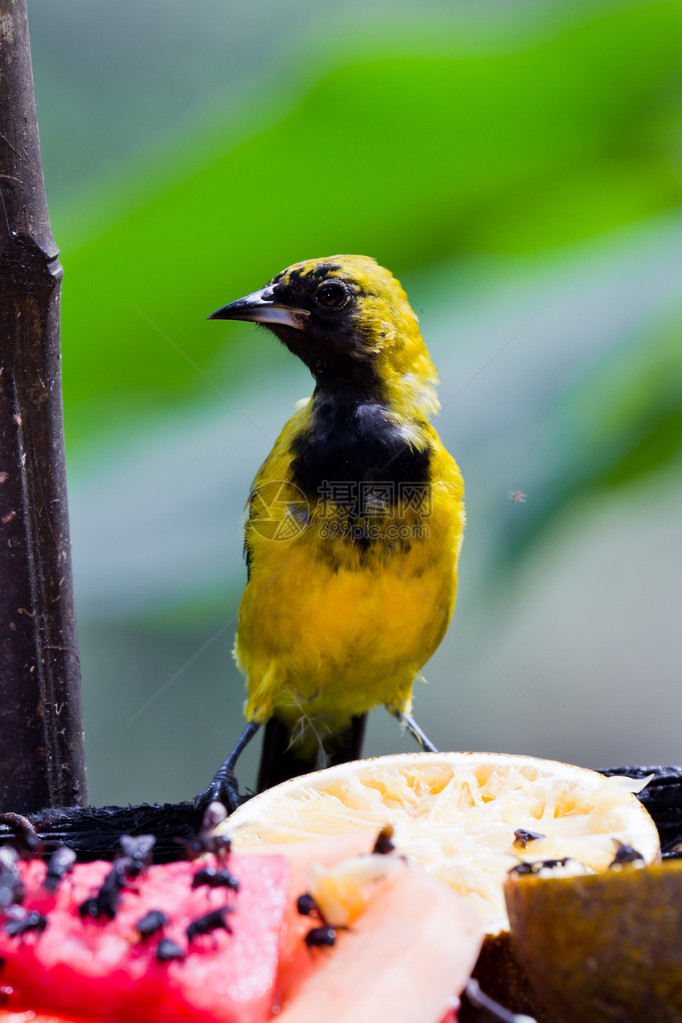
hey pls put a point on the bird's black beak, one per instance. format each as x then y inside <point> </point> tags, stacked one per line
<point>261,307</point>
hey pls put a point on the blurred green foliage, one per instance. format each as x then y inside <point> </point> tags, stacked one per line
<point>623,423</point>
<point>414,151</point>
<point>483,151</point>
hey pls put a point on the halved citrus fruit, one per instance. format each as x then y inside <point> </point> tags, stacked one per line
<point>606,946</point>
<point>467,817</point>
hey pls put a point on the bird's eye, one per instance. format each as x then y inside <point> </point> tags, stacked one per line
<point>331,295</point>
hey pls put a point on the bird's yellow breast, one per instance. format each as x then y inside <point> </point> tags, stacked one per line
<point>341,611</point>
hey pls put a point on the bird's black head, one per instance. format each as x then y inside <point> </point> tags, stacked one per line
<point>346,318</point>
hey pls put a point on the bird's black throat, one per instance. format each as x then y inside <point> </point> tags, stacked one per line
<point>351,442</point>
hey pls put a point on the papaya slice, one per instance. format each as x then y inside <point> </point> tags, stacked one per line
<point>404,958</point>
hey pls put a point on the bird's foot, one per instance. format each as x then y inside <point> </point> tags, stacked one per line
<point>411,726</point>
<point>224,788</point>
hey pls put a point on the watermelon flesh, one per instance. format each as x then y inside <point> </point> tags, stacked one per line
<point>30,1016</point>
<point>325,852</point>
<point>102,968</point>
<point>403,958</point>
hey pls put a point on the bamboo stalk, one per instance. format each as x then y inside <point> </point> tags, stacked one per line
<point>42,760</point>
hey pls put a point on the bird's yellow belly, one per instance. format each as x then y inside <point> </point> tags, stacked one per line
<point>328,644</point>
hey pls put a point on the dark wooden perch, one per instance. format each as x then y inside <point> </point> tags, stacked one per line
<point>41,739</point>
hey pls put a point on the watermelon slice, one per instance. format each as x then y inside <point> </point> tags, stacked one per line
<point>85,963</point>
<point>30,1016</point>
<point>303,856</point>
<point>170,946</point>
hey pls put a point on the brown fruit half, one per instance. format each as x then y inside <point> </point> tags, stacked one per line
<point>602,948</point>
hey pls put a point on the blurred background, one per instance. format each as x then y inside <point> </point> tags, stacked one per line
<point>518,166</point>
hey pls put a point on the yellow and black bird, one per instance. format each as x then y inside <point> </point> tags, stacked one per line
<point>354,525</point>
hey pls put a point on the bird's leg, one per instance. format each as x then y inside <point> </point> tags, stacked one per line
<point>321,758</point>
<point>408,722</point>
<point>225,788</point>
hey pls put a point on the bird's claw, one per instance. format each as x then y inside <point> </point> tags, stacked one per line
<point>223,789</point>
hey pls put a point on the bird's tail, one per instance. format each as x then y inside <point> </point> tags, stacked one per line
<point>281,761</point>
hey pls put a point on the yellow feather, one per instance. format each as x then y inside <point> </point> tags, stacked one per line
<point>329,628</point>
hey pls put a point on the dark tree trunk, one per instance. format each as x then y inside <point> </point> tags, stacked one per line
<point>41,739</point>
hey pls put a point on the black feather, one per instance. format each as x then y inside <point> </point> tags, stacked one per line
<point>355,444</point>
<point>279,761</point>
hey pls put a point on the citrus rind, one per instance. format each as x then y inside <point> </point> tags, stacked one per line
<point>457,814</point>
